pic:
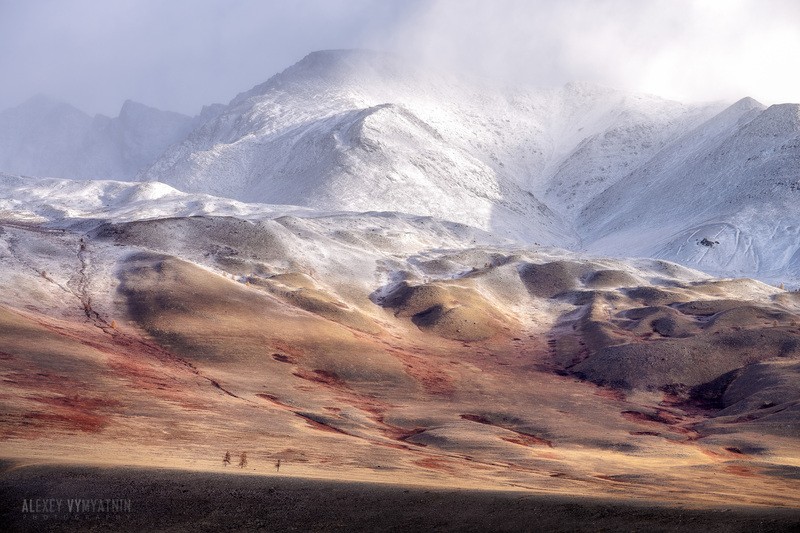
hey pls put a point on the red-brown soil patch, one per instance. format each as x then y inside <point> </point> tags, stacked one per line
<point>322,426</point>
<point>477,418</point>
<point>528,440</point>
<point>69,420</point>
<point>401,434</point>
<point>283,358</point>
<point>659,417</point>
<point>435,464</point>
<point>611,394</point>
<point>739,470</point>
<point>711,453</point>
<point>433,379</point>
<point>284,349</point>
<point>522,438</point>
<point>324,377</point>
<point>83,403</point>
<point>368,405</point>
<point>274,399</point>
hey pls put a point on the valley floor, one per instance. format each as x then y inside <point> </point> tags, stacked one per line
<point>179,500</point>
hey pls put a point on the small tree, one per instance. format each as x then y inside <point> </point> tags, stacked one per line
<point>243,460</point>
<point>227,459</point>
<point>278,465</point>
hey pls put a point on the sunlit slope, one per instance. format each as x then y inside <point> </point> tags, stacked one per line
<point>733,182</point>
<point>390,347</point>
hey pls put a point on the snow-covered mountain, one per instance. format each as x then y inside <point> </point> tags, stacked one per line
<point>581,166</point>
<point>725,197</point>
<point>44,137</point>
<point>357,130</point>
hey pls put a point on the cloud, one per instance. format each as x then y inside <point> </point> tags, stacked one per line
<point>687,49</point>
<point>182,54</point>
<point>178,54</point>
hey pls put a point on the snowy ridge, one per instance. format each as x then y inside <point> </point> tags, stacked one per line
<point>733,181</point>
<point>63,203</point>
<point>581,167</point>
<point>356,130</point>
<point>82,205</point>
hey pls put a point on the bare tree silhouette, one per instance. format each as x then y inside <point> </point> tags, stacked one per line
<point>227,459</point>
<point>243,460</point>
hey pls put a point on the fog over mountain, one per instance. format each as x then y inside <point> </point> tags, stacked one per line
<point>582,166</point>
<point>44,137</point>
<point>184,54</point>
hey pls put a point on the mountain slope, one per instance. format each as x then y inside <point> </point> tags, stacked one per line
<point>357,130</point>
<point>613,134</point>
<point>42,137</point>
<point>733,182</point>
<point>581,166</point>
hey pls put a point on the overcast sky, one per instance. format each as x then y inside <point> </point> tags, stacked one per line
<point>182,54</point>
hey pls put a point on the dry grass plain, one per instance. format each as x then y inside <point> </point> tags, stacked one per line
<point>494,387</point>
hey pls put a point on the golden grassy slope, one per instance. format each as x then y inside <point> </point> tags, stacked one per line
<point>467,380</point>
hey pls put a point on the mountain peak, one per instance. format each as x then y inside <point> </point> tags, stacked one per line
<point>335,68</point>
<point>341,65</point>
<point>345,55</point>
<point>130,107</point>
<point>586,88</point>
<point>741,111</point>
<point>135,112</point>
<point>40,99</point>
<point>44,104</point>
<point>746,104</point>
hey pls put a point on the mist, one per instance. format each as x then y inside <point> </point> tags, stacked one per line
<point>683,49</point>
<point>177,55</point>
<point>183,54</point>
